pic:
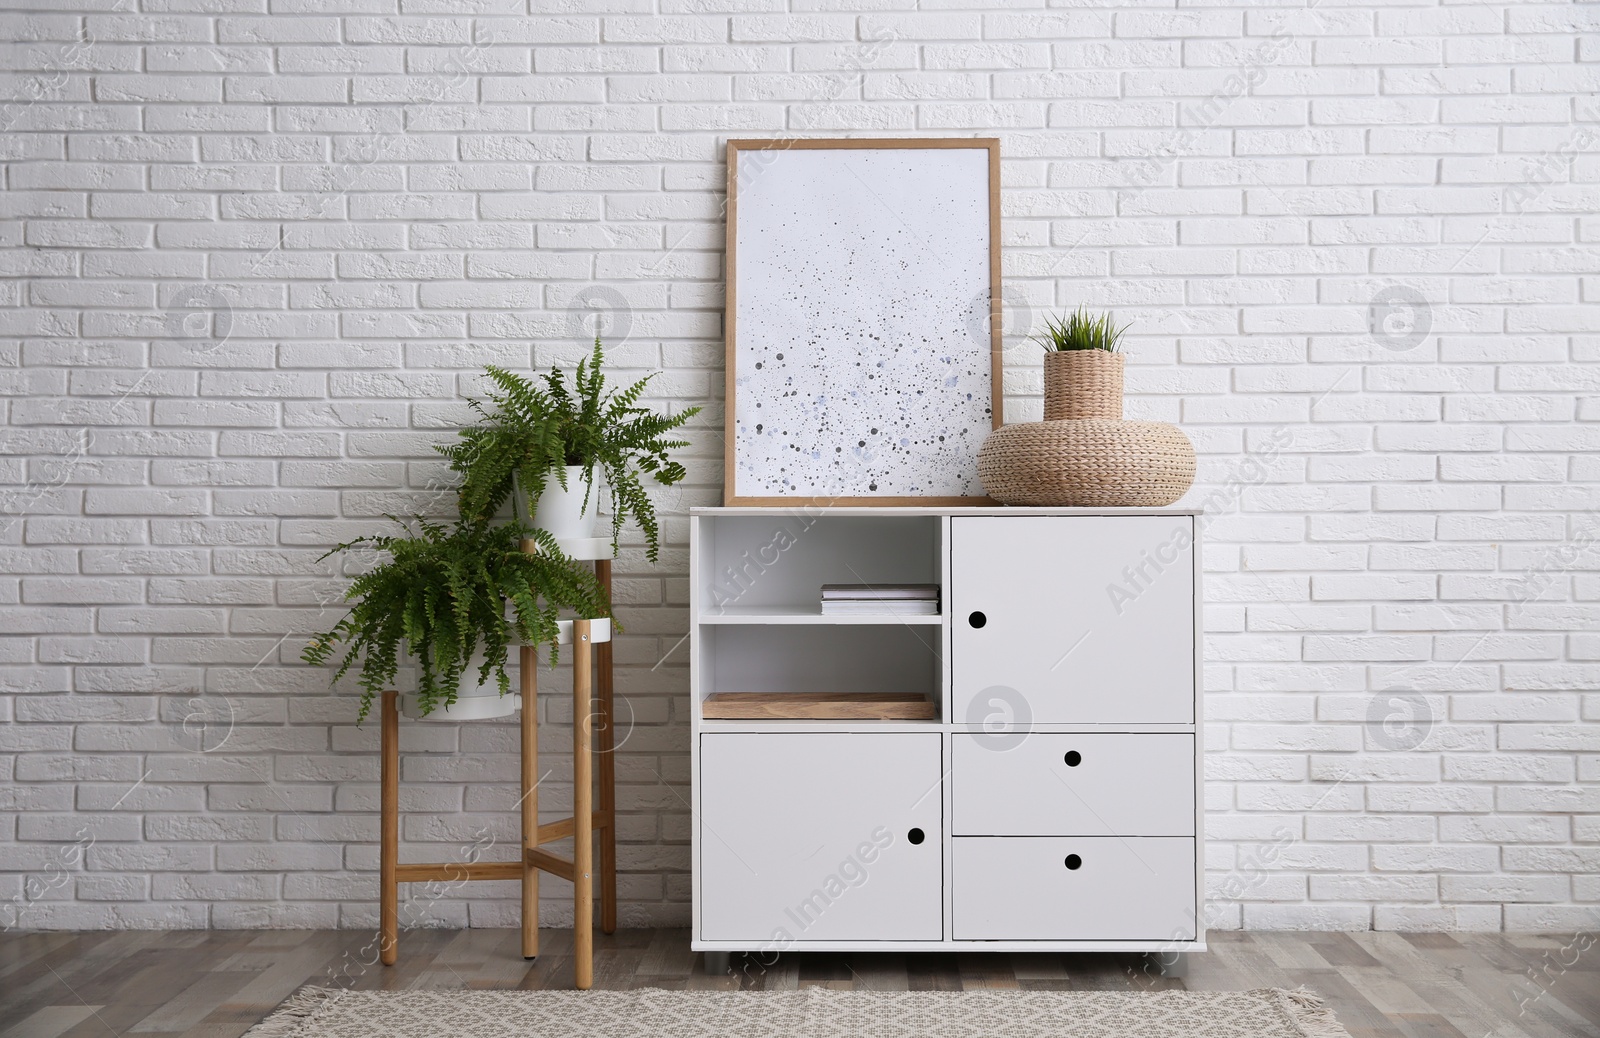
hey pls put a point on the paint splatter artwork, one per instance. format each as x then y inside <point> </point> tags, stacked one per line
<point>861,334</point>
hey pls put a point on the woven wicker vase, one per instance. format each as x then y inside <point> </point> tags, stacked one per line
<point>1082,384</point>
<point>1089,462</point>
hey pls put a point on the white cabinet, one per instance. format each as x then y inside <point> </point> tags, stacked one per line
<point>1052,803</point>
<point>820,837</point>
<point>1089,619</point>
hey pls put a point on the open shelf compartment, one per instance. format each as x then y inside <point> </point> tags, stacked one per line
<point>824,672</point>
<point>771,568</point>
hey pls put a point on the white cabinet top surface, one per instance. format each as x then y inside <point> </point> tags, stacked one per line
<point>801,507</point>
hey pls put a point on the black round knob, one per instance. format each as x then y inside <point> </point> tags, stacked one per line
<point>1073,758</point>
<point>915,836</point>
<point>1073,861</point>
<point>977,619</point>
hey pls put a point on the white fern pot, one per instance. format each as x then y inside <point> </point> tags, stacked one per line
<point>474,702</point>
<point>561,511</point>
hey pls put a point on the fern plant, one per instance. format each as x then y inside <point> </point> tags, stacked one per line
<point>1080,331</point>
<point>533,428</point>
<point>441,592</point>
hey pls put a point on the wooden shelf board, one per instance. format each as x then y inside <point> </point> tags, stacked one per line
<point>824,706</point>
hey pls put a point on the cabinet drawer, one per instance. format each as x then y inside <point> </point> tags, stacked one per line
<point>1072,619</point>
<point>1050,784</point>
<point>1123,889</point>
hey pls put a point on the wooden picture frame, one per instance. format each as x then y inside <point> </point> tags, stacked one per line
<point>743,152</point>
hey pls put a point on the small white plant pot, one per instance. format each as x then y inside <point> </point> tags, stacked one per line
<point>474,702</point>
<point>560,510</point>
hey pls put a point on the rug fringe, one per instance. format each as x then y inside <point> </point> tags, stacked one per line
<point>1309,1013</point>
<point>294,1012</point>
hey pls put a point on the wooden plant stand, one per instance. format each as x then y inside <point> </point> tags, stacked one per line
<point>593,743</point>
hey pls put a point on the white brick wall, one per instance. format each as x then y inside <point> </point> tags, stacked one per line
<point>254,251</point>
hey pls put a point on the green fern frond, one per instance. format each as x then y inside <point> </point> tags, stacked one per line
<point>442,592</point>
<point>533,428</point>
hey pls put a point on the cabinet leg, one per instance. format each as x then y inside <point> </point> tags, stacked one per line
<point>605,748</point>
<point>530,799</point>
<point>582,807</point>
<point>1170,964</point>
<point>389,831</point>
<point>718,963</point>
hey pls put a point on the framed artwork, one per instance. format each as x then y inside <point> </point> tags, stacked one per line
<point>863,361</point>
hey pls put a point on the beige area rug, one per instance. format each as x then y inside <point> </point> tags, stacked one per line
<point>811,1013</point>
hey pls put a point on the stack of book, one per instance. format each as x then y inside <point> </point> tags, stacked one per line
<point>873,599</point>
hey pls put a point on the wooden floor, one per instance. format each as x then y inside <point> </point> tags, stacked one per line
<point>215,984</point>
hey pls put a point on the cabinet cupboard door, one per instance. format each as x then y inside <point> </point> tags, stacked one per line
<point>820,837</point>
<point>1072,619</point>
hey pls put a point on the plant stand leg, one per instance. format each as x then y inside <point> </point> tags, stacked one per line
<point>389,832</point>
<point>605,748</point>
<point>582,807</point>
<point>530,799</point>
